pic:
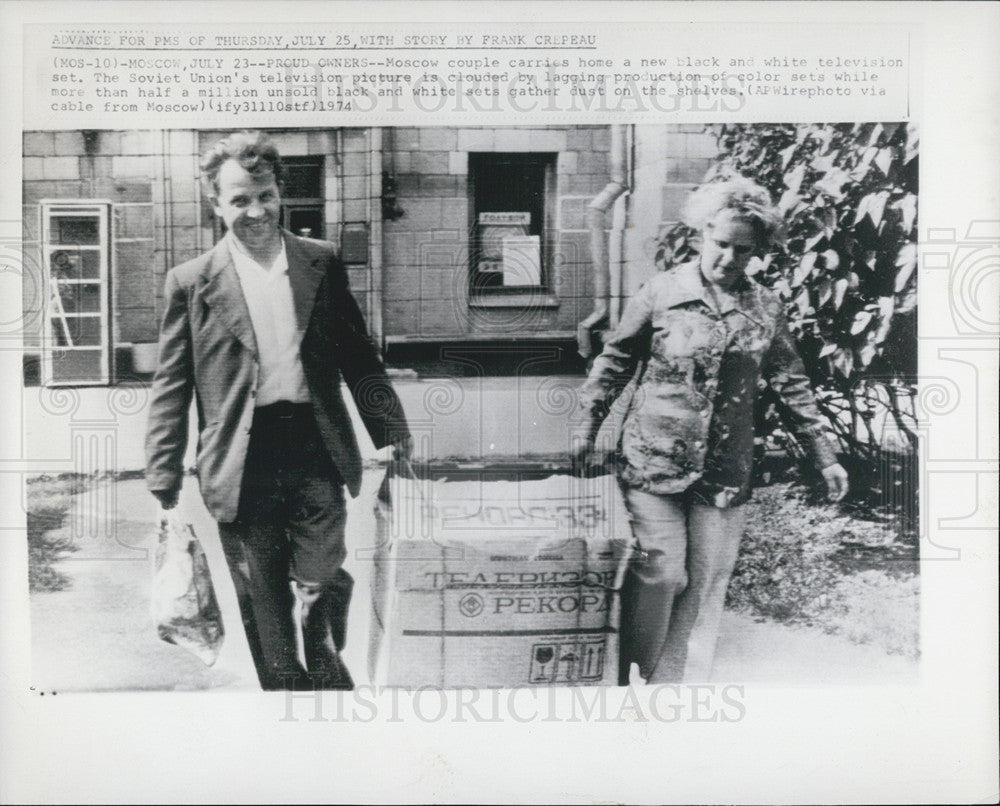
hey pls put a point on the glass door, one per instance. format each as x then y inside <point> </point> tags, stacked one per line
<point>76,255</point>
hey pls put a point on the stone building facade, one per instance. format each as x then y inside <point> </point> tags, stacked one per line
<point>422,217</point>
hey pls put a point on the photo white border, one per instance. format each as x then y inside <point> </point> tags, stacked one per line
<point>934,742</point>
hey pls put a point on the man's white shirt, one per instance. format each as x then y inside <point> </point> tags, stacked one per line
<point>268,295</point>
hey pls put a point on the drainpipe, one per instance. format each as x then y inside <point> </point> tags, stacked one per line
<point>596,211</point>
<point>616,253</point>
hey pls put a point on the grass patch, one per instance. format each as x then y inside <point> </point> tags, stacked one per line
<point>49,501</point>
<point>806,561</point>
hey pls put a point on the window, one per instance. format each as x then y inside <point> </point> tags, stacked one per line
<point>76,344</point>
<point>303,201</point>
<point>302,198</point>
<point>510,196</point>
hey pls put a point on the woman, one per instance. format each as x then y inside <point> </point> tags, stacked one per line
<point>703,334</point>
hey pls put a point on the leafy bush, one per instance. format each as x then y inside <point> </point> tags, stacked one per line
<point>847,273</point>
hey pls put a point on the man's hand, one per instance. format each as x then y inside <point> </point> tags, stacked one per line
<point>582,456</point>
<point>836,482</point>
<point>167,498</point>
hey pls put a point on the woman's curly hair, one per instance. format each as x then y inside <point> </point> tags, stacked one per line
<point>745,198</point>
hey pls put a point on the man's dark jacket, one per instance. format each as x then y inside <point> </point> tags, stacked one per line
<point>207,348</point>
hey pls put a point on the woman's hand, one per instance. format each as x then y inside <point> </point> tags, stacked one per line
<point>836,481</point>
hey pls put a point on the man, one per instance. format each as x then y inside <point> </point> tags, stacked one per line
<point>260,330</point>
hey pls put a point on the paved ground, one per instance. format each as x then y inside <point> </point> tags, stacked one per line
<point>97,635</point>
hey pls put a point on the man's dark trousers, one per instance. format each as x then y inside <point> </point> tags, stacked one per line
<point>290,525</point>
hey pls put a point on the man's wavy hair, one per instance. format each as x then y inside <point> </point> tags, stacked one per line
<point>747,200</point>
<point>254,150</point>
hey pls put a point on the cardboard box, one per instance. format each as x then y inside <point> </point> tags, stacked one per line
<point>498,583</point>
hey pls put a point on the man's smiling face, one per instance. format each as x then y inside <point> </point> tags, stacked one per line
<point>250,204</point>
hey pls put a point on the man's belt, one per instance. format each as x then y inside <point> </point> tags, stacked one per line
<point>283,410</point>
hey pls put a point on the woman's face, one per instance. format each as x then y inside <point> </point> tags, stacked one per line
<point>728,244</point>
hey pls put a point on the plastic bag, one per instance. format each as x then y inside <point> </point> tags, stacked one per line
<point>184,607</point>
